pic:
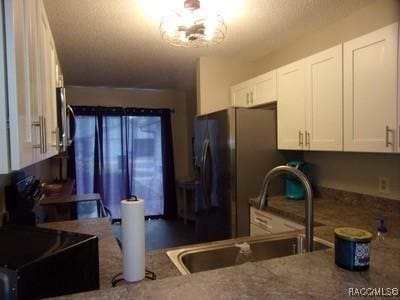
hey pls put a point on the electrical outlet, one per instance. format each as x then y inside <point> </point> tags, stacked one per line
<point>383,185</point>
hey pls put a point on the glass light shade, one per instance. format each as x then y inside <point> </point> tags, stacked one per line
<point>192,28</point>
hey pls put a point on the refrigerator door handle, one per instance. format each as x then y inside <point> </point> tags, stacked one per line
<point>203,178</point>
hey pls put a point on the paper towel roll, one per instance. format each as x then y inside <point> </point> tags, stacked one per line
<point>133,243</point>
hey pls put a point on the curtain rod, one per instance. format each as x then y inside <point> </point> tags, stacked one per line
<point>171,110</point>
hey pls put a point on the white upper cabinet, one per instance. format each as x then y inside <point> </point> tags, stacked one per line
<point>291,106</point>
<point>47,59</point>
<point>264,88</point>
<point>31,85</point>
<point>370,91</point>
<point>240,94</point>
<point>4,158</point>
<point>324,100</point>
<point>310,103</point>
<point>257,91</point>
<point>18,82</point>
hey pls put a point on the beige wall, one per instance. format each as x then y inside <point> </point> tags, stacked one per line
<point>181,120</point>
<point>214,78</point>
<point>355,172</point>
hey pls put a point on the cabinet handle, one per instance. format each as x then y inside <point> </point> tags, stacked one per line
<point>300,138</point>
<point>307,138</point>
<point>251,97</point>
<point>44,134</point>
<point>38,124</point>
<point>388,143</point>
<point>41,120</point>
<point>247,99</point>
<point>399,137</point>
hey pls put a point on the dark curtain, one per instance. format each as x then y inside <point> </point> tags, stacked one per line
<point>168,163</point>
<point>119,163</point>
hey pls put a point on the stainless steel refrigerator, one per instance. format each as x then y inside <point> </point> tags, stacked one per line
<point>233,151</point>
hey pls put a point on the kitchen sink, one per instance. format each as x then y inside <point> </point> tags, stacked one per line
<point>223,253</point>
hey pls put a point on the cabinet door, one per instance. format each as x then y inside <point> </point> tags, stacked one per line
<point>18,85</point>
<point>370,91</point>
<point>291,106</point>
<point>51,105</point>
<point>240,95</point>
<point>4,158</point>
<point>47,70</point>
<point>264,89</point>
<point>324,100</point>
<point>31,26</point>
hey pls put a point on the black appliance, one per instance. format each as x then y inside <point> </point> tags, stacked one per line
<point>38,263</point>
<point>22,199</point>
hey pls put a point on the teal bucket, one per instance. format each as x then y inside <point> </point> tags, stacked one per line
<point>294,190</point>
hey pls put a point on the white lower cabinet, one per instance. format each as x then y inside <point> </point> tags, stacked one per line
<point>262,222</point>
<point>370,92</point>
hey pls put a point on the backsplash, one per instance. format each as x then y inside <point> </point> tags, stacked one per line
<point>355,172</point>
<point>357,199</point>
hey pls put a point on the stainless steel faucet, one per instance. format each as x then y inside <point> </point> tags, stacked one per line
<point>263,200</point>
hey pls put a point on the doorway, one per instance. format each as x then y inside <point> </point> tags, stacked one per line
<point>123,152</point>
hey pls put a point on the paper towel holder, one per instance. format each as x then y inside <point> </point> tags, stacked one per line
<point>132,198</point>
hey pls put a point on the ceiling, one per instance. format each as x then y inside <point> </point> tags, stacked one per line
<point>117,42</point>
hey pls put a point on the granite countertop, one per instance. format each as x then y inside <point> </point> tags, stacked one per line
<point>340,212</point>
<point>110,255</point>
<point>313,275</point>
<point>308,276</point>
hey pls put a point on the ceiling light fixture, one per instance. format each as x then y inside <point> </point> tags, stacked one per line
<point>193,26</point>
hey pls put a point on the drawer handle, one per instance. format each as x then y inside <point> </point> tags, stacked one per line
<point>262,225</point>
<point>263,216</point>
<point>262,221</point>
<point>291,226</point>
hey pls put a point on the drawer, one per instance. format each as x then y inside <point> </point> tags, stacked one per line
<point>271,222</point>
<point>257,230</point>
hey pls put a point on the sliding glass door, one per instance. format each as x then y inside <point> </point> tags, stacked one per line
<point>145,165</point>
<point>123,155</point>
<point>84,153</point>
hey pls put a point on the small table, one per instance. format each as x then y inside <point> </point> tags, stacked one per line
<point>186,186</point>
